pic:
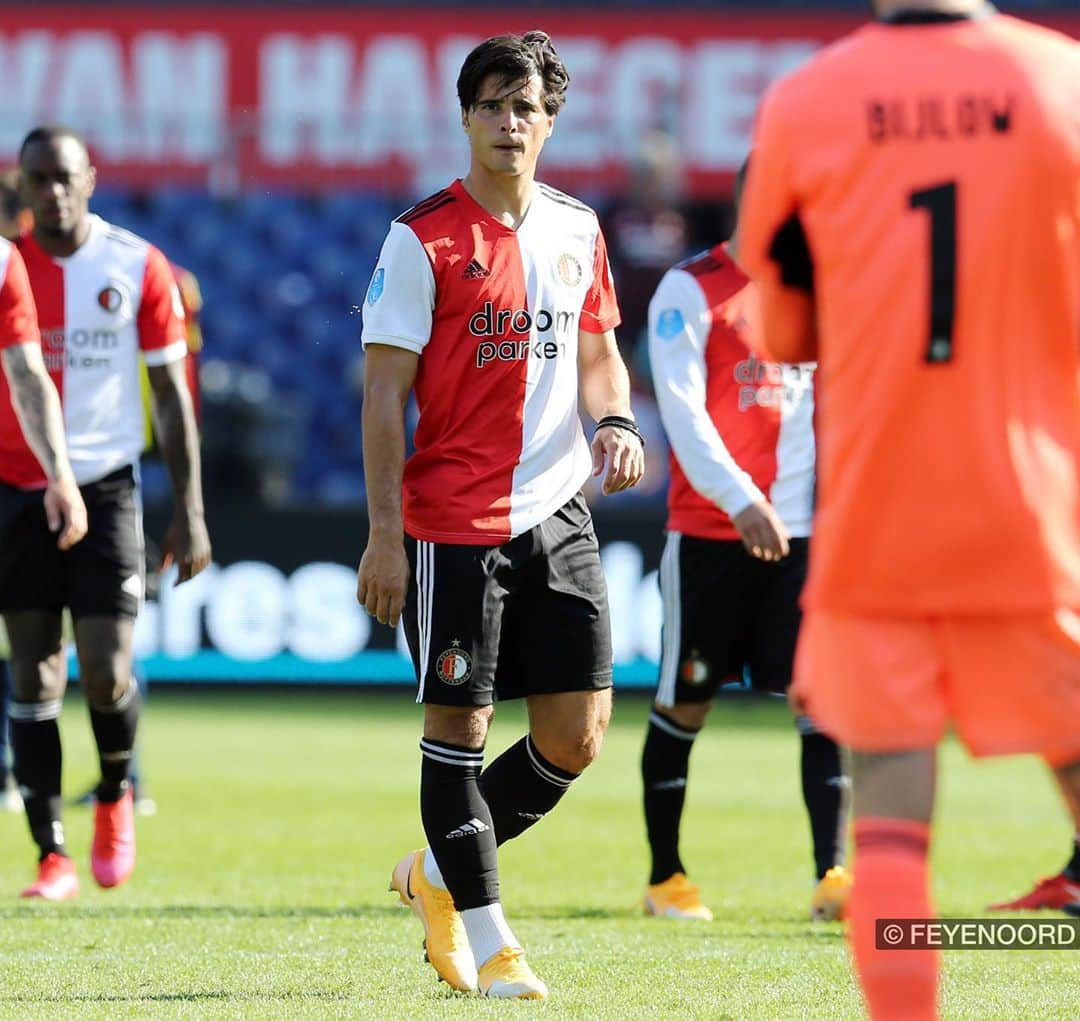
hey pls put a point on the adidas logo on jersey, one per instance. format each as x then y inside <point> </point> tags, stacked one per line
<point>469,829</point>
<point>474,271</point>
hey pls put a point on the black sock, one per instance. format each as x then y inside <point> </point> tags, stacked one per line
<point>458,823</point>
<point>824,788</point>
<point>35,740</point>
<point>114,730</point>
<point>1072,870</point>
<point>521,787</point>
<point>665,761</point>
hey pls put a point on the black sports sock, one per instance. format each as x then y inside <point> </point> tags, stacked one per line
<point>824,788</point>
<point>114,731</point>
<point>521,787</point>
<point>1072,870</point>
<point>665,761</point>
<point>35,741</point>
<point>458,823</point>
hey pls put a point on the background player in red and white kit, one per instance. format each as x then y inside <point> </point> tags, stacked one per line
<point>104,298</point>
<point>740,503</point>
<point>912,219</point>
<point>492,299</point>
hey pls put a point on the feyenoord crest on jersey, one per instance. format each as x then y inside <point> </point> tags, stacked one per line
<point>110,298</point>
<point>570,272</point>
<point>454,666</point>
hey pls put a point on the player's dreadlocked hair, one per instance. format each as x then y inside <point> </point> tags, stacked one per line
<point>515,58</point>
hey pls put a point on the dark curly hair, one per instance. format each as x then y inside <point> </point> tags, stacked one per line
<point>515,58</point>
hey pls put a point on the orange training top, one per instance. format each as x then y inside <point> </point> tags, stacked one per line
<point>921,180</point>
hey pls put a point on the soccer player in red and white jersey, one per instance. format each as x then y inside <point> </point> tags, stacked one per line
<point>104,298</point>
<point>740,502</point>
<point>493,301</point>
<point>912,219</point>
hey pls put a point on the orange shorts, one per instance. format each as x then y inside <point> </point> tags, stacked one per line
<point>883,684</point>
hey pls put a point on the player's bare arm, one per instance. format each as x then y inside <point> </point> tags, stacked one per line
<point>186,543</point>
<point>37,405</point>
<point>384,569</point>
<point>605,392</point>
<point>763,533</point>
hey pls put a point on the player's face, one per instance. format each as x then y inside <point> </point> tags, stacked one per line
<point>57,182</point>
<point>507,126</point>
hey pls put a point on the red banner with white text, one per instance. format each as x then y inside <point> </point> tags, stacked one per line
<point>324,96</point>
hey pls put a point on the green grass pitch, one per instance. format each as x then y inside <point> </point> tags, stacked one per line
<point>261,885</point>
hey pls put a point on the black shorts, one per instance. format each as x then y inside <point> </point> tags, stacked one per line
<point>730,619</point>
<point>101,576</point>
<point>529,617</point>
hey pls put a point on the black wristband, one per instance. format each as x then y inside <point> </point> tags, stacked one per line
<point>620,422</point>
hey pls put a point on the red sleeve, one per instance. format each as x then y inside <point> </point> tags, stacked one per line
<point>18,316</point>
<point>161,314</point>
<point>601,309</point>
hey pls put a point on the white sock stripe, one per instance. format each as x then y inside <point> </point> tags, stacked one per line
<point>447,761</point>
<point>121,703</point>
<point>672,611</point>
<point>542,771</point>
<point>673,729</point>
<point>35,712</point>
<point>465,754</point>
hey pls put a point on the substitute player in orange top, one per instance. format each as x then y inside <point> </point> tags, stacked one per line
<point>912,216</point>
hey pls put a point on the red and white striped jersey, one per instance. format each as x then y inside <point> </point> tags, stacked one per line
<point>494,315</point>
<point>18,325</point>
<point>98,309</point>
<point>740,428</point>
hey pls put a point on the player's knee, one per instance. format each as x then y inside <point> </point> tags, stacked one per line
<point>463,726</point>
<point>38,680</point>
<point>575,750</point>
<point>102,680</point>
<point>690,715</point>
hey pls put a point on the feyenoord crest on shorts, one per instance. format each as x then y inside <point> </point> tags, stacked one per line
<point>454,666</point>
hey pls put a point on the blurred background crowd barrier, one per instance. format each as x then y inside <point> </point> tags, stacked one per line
<point>266,149</point>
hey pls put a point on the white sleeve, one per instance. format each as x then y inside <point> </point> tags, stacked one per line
<point>679,327</point>
<point>401,296</point>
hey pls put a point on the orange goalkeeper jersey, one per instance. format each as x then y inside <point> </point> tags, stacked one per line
<point>921,179</point>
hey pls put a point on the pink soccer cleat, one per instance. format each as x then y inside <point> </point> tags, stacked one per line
<point>112,857</point>
<point>56,879</point>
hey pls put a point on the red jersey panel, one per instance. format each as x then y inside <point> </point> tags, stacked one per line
<point>18,325</point>
<point>494,315</point>
<point>922,180</point>
<point>740,427</point>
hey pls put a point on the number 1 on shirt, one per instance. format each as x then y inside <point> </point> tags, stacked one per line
<point>940,204</point>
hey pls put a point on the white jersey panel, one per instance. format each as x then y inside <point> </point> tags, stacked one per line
<point>792,494</point>
<point>102,396</point>
<point>557,244</point>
